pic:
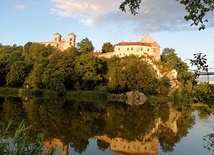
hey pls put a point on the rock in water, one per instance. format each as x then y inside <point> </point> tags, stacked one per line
<point>135,98</point>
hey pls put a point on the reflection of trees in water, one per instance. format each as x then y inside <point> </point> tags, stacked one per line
<point>13,110</point>
<point>102,145</point>
<point>75,122</point>
<point>1,108</point>
<point>209,141</point>
<point>129,122</point>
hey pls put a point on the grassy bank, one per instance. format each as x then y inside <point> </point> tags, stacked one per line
<point>20,92</point>
<point>80,94</point>
<point>92,95</point>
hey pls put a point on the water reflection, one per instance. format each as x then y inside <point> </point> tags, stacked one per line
<point>116,126</point>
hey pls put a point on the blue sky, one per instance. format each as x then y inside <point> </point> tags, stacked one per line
<point>101,21</point>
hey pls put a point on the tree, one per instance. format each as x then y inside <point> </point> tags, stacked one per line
<point>8,55</point>
<point>140,75</point>
<point>116,75</point>
<point>196,9</point>
<point>17,74</point>
<point>85,46</point>
<point>60,69</point>
<point>90,70</point>
<point>131,73</point>
<point>170,61</point>
<point>164,85</point>
<point>35,51</point>
<point>107,47</point>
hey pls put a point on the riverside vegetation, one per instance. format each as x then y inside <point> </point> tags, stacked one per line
<point>35,70</point>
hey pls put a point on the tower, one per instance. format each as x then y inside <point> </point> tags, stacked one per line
<point>57,37</point>
<point>72,39</point>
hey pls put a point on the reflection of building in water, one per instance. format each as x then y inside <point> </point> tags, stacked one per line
<point>148,145</point>
<point>131,147</point>
<point>56,144</point>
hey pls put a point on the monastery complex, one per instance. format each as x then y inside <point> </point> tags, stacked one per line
<point>145,47</point>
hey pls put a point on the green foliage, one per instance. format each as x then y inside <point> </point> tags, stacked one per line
<point>85,46</point>
<point>34,80</point>
<point>164,85</point>
<point>8,55</point>
<point>18,71</point>
<point>200,62</point>
<point>131,73</point>
<point>107,47</point>
<point>34,52</point>
<point>171,61</point>
<point>209,141</point>
<point>196,10</point>
<point>6,91</point>
<point>19,143</point>
<point>133,5</point>
<point>44,67</point>
<point>90,70</point>
<point>204,92</point>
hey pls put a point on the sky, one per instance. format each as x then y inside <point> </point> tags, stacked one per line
<point>101,21</point>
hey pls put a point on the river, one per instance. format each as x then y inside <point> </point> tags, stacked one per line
<point>99,127</point>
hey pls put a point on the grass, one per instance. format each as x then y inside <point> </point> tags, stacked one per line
<point>5,91</point>
<point>19,143</point>
<point>20,92</point>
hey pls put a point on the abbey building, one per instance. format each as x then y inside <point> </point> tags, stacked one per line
<point>60,43</point>
<point>146,47</point>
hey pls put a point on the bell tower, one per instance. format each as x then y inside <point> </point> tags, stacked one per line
<point>57,37</point>
<point>72,39</point>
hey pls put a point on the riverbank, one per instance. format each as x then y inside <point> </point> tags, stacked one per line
<point>80,94</point>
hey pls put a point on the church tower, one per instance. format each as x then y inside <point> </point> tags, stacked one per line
<point>72,39</point>
<point>57,37</point>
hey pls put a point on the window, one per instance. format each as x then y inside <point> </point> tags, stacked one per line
<point>127,49</point>
<point>141,49</point>
<point>147,49</point>
<point>154,50</point>
<point>132,49</point>
<point>118,49</point>
<point>70,39</point>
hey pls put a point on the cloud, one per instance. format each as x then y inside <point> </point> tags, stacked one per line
<point>85,10</point>
<point>20,6</point>
<point>153,16</point>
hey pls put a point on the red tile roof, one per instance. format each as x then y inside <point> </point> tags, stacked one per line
<point>97,53</point>
<point>137,44</point>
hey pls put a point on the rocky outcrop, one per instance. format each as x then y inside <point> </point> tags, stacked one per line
<point>135,98</point>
